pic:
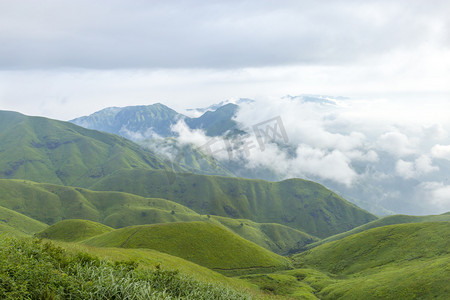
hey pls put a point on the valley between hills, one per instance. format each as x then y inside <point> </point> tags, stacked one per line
<point>90,214</point>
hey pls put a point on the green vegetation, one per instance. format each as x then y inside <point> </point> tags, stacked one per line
<point>73,230</point>
<point>407,261</point>
<point>275,237</point>
<point>45,150</point>
<point>300,204</point>
<point>205,244</point>
<point>52,203</point>
<point>380,246</point>
<point>31,269</point>
<point>13,222</point>
<point>389,220</point>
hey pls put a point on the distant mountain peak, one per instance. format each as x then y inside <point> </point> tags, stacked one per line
<point>318,99</point>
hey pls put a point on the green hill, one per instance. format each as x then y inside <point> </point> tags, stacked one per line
<point>300,204</point>
<point>56,152</point>
<point>73,230</point>
<point>19,224</point>
<point>203,243</point>
<point>278,238</point>
<point>380,246</point>
<point>405,261</point>
<point>389,220</point>
<point>51,203</point>
<point>46,150</point>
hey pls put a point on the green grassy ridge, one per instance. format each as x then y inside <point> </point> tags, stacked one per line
<point>52,203</point>
<point>417,279</point>
<point>14,222</point>
<point>73,230</point>
<point>46,150</point>
<point>41,270</point>
<point>278,238</point>
<point>203,243</point>
<point>389,220</point>
<point>300,204</point>
<point>378,247</point>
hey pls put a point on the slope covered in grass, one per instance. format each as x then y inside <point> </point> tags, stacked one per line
<point>380,246</point>
<point>406,261</point>
<point>73,230</point>
<point>296,203</point>
<point>14,222</point>
<point>202,243</point>
<point>389,220</point>
<point>52,203</point>
<point>46,150</point>
<point>41,270</point>
<point>278,238</point>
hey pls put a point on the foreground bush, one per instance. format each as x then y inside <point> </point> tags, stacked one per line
<point>33,269</point>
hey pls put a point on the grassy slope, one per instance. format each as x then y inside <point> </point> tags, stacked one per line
<point>73,230</point>
<point>297,203</point>
<point>14,222</point>
<point>389,220</point>
<point>46,150</point>
<point>52,203</point>
<point>407,261</point>
<point>43,270</point>
<point>380,246</point>
<point>202,243</point>
<point>275,237</point>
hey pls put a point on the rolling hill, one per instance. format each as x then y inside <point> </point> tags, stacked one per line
<point>73,230</point>
<point>18,224</point>
<point>404,261</point>
<point>389,220</point>
<point>380,246</point>
<point>46,150</point>
<point>52,203</point>
<point>300,204</point>
<point>56,152</point>
<point>203,243</point>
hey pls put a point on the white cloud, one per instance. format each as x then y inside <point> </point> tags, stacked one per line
<point>326,165</point>
<point>437,194</point>
<point>395,143</point>
<point>441,151</point>
<point>420,166</point>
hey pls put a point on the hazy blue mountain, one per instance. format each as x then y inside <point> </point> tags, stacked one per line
<point>133,122</point>
<point>146,121</point>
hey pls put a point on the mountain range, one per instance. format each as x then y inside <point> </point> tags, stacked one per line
<point>93,195</point>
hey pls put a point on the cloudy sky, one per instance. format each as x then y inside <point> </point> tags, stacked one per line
<point>63,59</point>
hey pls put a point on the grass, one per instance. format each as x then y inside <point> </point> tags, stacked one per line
<point>46,150</point>
<point>389,220</point>
<point>32,269</point>
<point>203,243</point>
<point>300,204</point>
<point>73,230</point>
<point>51,203</point>
<point>379,246</point>
<point>11,221</point>
<point>406,261</point>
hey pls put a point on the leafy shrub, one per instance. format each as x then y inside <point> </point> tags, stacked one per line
<point>33,269</point>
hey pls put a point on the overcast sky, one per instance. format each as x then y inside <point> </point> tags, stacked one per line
<point>64,59</point>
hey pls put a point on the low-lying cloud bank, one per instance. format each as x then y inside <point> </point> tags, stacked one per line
<point>391,162</point>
